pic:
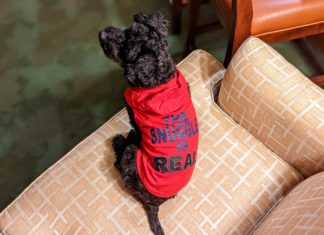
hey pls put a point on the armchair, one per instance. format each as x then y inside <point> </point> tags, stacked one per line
<point>259,168</point>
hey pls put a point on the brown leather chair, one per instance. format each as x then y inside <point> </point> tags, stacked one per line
<point>271,21</point>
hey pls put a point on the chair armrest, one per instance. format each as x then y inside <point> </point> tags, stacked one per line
<point>277,104</point>
<point>303,203</point>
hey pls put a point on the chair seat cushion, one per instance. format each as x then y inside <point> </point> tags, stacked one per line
<point>236,181</point>
<point>300,212</point>
<point>270,16</point>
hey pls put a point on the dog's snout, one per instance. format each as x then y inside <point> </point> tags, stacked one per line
<point>103,35</point>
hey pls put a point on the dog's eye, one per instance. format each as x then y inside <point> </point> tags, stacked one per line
<point>119,40</point>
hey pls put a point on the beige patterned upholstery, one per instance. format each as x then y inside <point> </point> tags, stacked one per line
<point>300,212</point>
<point>237,180</point>
<point>272,100</point>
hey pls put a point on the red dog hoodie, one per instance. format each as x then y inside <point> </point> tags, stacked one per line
<point>169,126</point>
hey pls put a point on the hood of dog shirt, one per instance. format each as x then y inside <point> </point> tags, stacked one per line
<point>164,99</point>
<point>169,128</point>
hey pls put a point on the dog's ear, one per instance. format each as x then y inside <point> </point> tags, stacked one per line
<point>135,35</point>
<point>112,40</point>
<point>157,21</point>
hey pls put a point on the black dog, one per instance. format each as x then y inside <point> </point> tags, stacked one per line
<point>160,111</point>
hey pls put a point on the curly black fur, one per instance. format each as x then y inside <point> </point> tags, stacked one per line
<point>142,51</point>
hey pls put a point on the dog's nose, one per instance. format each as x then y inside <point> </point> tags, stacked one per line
<point>103,35</point>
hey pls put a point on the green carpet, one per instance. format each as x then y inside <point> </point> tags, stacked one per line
<point>56,86</point>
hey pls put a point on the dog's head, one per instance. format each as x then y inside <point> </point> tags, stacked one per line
<point>142,50</point>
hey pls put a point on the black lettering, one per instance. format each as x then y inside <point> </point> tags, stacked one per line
<point>180,133</point>
<point>175,118</point>
<point>175,163</point>
<point>160,164</point>
<point>161,134</point>
<point>188,161</point>
<point>166,120</point>
<point>183,116</point>
<point>194,126</point>
<point>178,146</point>
<point>153,136</point>
<point>171,138</point>
<point>185,145</point>
<point>194,157</point>
<point>188,129</point>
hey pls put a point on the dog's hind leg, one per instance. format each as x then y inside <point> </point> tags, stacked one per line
<point>120,144</point>
<point>137,189</point>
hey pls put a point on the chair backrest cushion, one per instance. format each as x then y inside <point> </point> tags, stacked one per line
<point>277,104</point>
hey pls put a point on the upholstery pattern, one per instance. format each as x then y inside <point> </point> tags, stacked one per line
<point>300,212</point>
<point>271,99</point>
<point>236,181</point>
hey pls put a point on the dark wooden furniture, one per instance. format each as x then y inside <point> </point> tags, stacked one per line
<point>176,15</point>
<point>272,21</point>
<point>194,28</point>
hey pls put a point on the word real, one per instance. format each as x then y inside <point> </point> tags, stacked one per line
<point>174,163</point>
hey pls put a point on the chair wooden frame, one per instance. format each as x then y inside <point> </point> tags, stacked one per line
<point>240,29</point>
<point>176,15</point>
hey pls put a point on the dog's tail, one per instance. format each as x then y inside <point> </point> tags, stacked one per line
<point>155,225</point>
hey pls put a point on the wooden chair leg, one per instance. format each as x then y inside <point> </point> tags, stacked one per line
<point>241,21</point>
<point>176,14</point>
<point>193,9</point>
